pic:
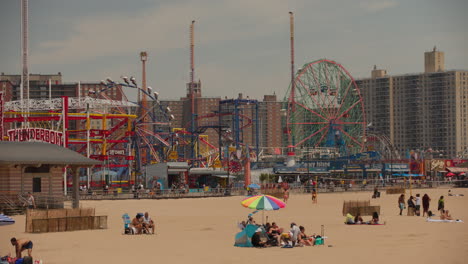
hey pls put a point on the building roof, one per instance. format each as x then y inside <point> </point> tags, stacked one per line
<point>41,153</point>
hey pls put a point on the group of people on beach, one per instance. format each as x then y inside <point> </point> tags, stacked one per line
<point>143,224</point>
<point>271,235</point>
<point>358,220</point>
<point>414,206</point>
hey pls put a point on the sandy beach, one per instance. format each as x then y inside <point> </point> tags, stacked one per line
<point>203,230</point>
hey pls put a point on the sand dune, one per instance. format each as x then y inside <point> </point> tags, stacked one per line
<point>202,231</point>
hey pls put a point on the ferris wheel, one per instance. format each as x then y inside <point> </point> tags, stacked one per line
<point>325,108</point>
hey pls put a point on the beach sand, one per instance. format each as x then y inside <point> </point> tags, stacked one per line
<point>202,231</point>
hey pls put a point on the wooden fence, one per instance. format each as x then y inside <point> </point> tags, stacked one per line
<point>360,207</point>
<point>61,220</point>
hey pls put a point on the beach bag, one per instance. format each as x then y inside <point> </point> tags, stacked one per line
<point>318,241</point>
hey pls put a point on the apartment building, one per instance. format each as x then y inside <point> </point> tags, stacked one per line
<point>422,110</point>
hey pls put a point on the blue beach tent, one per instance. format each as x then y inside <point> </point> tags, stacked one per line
<point>243,238</point>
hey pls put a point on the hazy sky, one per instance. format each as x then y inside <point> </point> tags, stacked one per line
<point>242,46</point>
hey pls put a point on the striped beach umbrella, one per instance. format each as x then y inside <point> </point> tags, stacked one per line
<point>5,220</point>
<point>263,202</point>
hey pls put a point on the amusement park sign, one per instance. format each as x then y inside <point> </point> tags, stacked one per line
<point>36,134</point>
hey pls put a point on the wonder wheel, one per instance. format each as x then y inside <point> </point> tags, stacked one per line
<point>325,108</point>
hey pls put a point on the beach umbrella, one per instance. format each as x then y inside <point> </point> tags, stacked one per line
<point>254,186</point>
<point>280,180</point>
<point>263,203</point>
<point>5,220</point>
<point>450,174</point>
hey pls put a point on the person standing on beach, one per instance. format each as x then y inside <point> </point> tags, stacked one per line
<point>314,196</point>
<point>418,204</point>
<point>425,203</point>
<point>441,204</point>
<point>411,206</point>
<point>286,194</point>
<point>401,203</point>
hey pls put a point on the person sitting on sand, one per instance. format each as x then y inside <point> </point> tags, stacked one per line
<point>251,221</point>
<point>349,219</point>
<point>21,245</point>
<point>274,232</point>
<point>241,225</point>
<point>137,223</point>
<point>148,222</point>
<point>375,219</point>
<point>285,239</point>
<point>445,215</point>
<point>358,219</point>
<point>256,239</point>
<point>303,239</point>
<point>294,233</point>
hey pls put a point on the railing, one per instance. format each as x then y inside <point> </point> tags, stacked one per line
<point>15,201</point>
<point>114,194</point>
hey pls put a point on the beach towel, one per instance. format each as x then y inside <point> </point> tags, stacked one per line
<point>444,221</point>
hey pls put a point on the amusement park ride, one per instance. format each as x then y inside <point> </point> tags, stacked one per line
<point>323,109</point>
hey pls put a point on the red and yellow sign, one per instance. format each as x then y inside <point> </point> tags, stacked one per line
<point>36,134</point>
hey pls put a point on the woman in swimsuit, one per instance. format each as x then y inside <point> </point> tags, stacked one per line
<point>303,239</point>
<point>286,195</point>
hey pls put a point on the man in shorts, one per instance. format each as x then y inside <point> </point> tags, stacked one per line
<point>21,245</point>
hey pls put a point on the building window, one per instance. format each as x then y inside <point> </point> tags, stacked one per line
<point>37,184</point>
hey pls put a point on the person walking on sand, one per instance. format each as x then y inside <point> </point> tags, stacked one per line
<point>401,203</point>
<point>314,196</point>
<point>425,203</point>
<point>441,204</point>
<point>21,245</point>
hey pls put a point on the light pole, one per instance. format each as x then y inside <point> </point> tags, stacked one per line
<point>143,114</point>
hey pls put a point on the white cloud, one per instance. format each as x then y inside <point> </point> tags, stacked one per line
<point>376,6</point>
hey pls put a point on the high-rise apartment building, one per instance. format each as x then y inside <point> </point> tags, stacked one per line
<point>270,124</point>
<point>420,111</point>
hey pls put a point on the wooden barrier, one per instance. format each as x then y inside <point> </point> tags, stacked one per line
<point>361,207</point>
<point>68,224</point>
<point>61,220</point>
<point>395,190</point>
